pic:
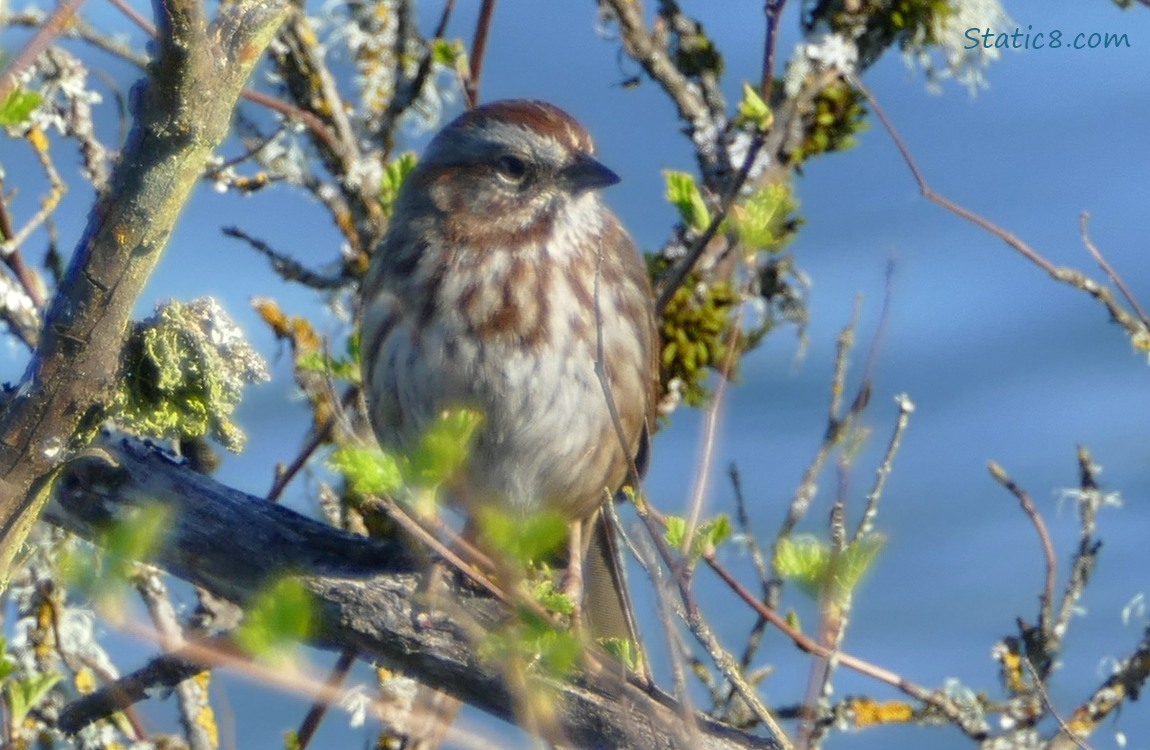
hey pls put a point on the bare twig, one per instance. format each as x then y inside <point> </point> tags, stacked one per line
<point>288,268</point>
<point>478,50</point>
<point>57,188</point>
<point>191,695</point>
<point>1104,294</point>
<point>40,41</point>
<point>284,476</point>
<point>318,710</point>
<point>710,428</point>
<point>774,12</point>
<point>934,698</point>
<point>726,664</point>
<point>1113,275</point>
<point>755,636</point>
<point>1121,687</point>
<point>1046,618</point>
<point>1088,497</point>
<point>132,15</point>
<point>444,18</point>
<point>836,427</point>
<point>1064,729</point>
<point>866,523</point>
<point>80,29</point>
<point>678,653</point>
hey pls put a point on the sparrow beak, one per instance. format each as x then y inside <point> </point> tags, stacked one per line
<point>585,173</point>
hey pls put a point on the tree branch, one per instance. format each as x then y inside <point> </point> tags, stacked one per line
<point>181,115</point>
<point>365,594</point>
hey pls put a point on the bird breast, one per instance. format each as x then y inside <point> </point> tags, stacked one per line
<point>512,332</point>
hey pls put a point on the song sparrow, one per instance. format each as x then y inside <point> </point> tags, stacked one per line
<point>502,280</point>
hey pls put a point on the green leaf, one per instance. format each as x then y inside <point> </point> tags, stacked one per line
<point>277,620</point>
<point>319,363</point>
<point>7,666</point>
<point>764,221</point>
<point>523,539</point>
<point>753,110</point>
<point>706,537</point>
<point>393,178</point>
<point>24,695</point>
<point>812,565</point>
<point>856,561</point>
<point>805,561</point>
<point>137,536</point>
<point>368,471</point>
<point>447,52</point>
<point>552,600</point>
<point>623,650</point>
<point>676,530</point>
<point>556,651</point>
<point>711,534</point>
<point>684,195</point>
<point>443,448</point>
<point>534,643</point>
<point>18,107</point>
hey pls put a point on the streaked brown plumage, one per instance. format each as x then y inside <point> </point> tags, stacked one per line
<point>483,294</point>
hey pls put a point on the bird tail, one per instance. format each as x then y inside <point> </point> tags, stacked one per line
<point>607,608</point>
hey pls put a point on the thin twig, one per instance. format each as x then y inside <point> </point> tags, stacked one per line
<point>15,259</point>
<point>866,523</point>
<point>80,29</point>
<point>1088,497</point>
<point>774,12</point>
<point>444,18</point>
<point>844,342</point>
<point>1113,275</point>
<point>469,560</point>
<point>1044,696</point>
<point>318,437</point>
<point>936,698</point>
<point>722,659</point>
<point>318,710</point>
<point>1072,277</point>
<point>192,696</point>
<point>48,205</point>
<point>288,268</point>
<point>1046,618</point>
<point>52,27</point>
<point>675,646</point>
<point>742,518</point>
<point>132,15</point>
<point>317,126</point>
<point>836,425</point>
<point>478,49</point>
<point>710,428</point>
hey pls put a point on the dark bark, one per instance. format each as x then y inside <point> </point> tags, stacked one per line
<point>365,594</point>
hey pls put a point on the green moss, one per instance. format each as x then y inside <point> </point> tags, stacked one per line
<point>696,331</point>
<point>838,115</point>
<point>184,372</point>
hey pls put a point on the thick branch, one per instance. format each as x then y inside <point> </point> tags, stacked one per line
<point>235,544</point>
<point>181,115</point>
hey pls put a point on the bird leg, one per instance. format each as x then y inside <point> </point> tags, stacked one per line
<point>573,578</point>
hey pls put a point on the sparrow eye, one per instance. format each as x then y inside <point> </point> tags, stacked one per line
<point>512,168</point>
